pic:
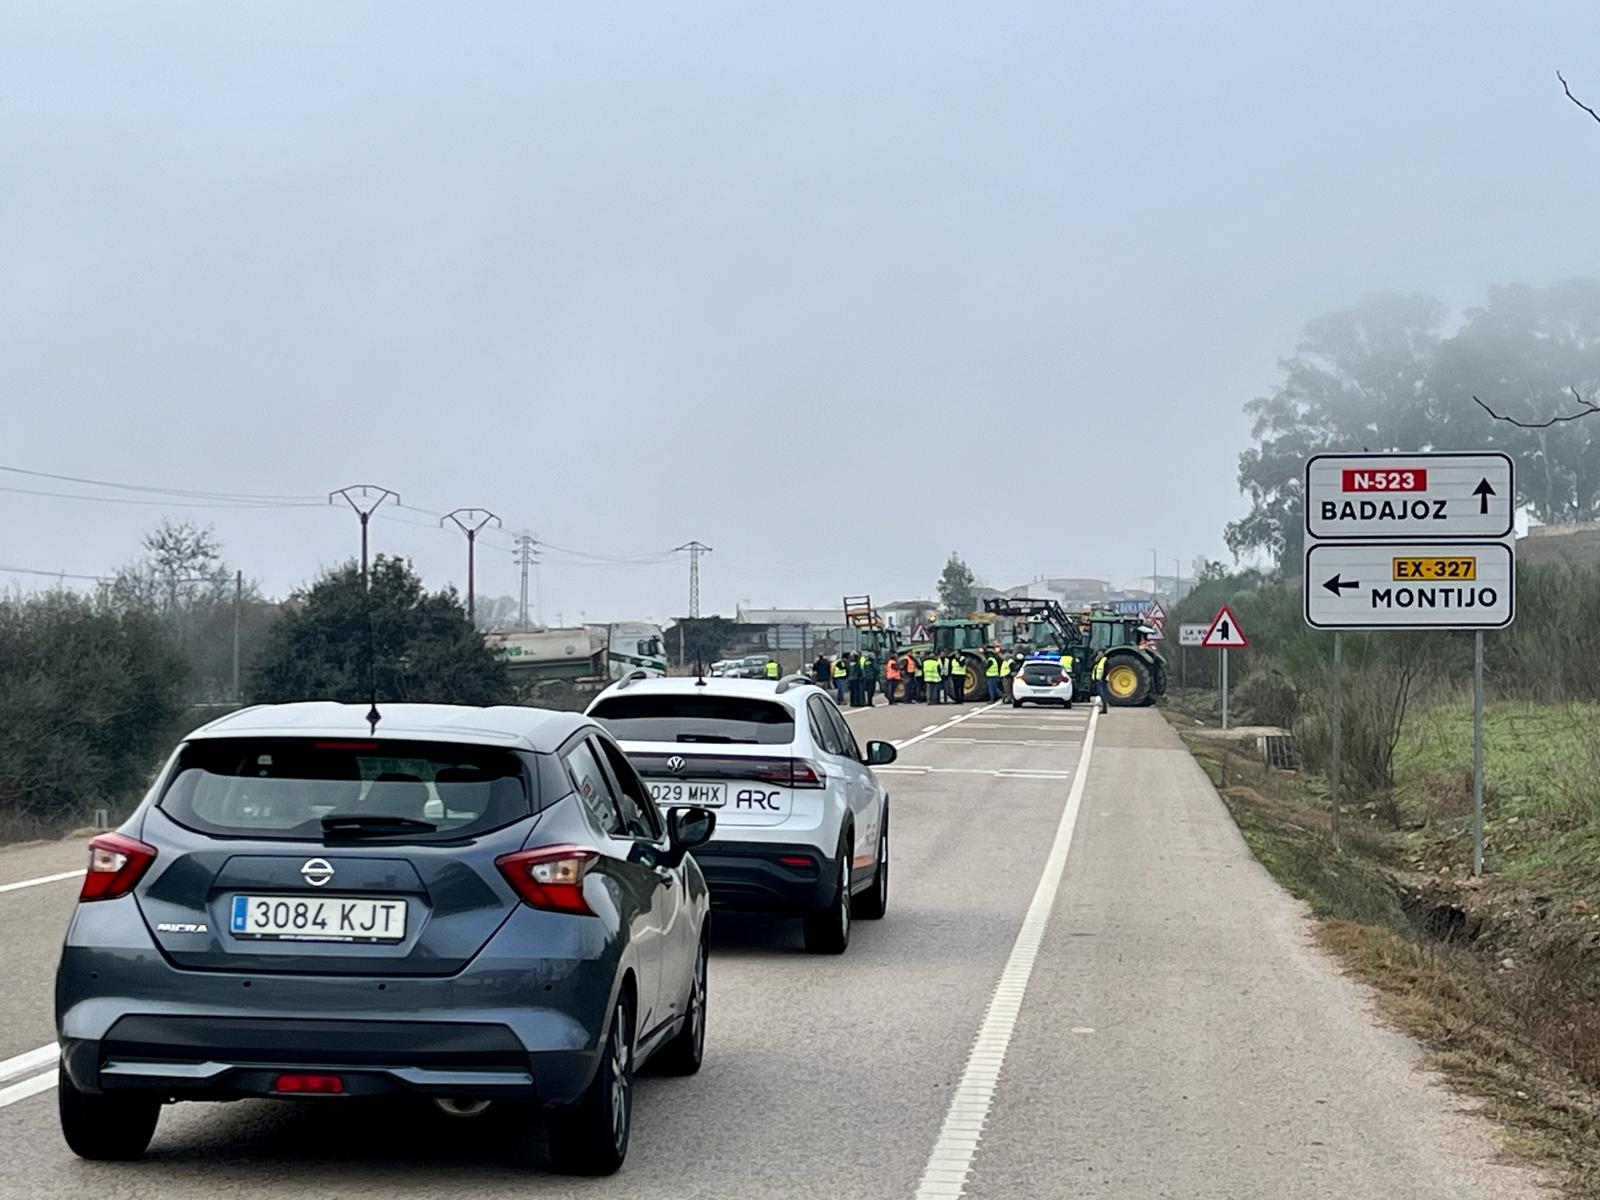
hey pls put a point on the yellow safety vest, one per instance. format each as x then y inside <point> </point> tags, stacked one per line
<point>1100,668</point>
<point>957,667</point>
<point>991,668</point>
<point>1066,664</point>
<point>930,670</point>
<point>1005,667</point>
<point>839,669</point>
<point>772,670</point>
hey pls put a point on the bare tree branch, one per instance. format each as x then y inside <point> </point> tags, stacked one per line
<point>1574,99</point>
<point>1589,408</point>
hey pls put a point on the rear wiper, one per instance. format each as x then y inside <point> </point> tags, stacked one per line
<point>358,825</point>
<point>716,739</point>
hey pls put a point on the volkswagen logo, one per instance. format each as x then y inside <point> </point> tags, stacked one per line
<point>676,765</point>
<point>316,871</point>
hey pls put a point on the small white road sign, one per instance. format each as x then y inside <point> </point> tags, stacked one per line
<point>1363,497</point>
<point>1410,585</point>
<point>1191,635</point>
<point>1224,633</point>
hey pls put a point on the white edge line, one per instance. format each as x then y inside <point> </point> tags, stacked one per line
<point>958,1140</point>
<point>22,1064</point>
<point>28,883</point>
<point>28,1087</point>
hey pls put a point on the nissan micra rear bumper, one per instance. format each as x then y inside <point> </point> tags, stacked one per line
<point>507,1026</point>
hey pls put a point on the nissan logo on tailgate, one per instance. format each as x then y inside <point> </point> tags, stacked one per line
<point>316,871</point>
<point>676,765</point>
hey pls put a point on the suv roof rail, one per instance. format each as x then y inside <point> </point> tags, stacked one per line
<point>632,677</point>
<point>793,681</point>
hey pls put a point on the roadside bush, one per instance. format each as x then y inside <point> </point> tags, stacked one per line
<point>1267,698</point>
<point>88,697</point>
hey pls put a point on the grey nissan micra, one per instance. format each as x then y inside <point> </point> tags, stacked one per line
<point>464,904</point>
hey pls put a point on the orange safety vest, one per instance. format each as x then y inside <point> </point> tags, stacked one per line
<point>891,669</point>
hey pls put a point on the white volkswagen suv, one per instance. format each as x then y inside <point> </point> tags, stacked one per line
<point>802,822</point>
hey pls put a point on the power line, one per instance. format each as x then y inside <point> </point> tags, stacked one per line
<point>49,574</point>
<point>176,501</point>
<point>161,491</point>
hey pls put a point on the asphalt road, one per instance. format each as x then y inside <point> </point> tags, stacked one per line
<point>1085,987</point>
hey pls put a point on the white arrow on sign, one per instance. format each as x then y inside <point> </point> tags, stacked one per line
<point>1364,497</point>
<point>1409,585</point>
<point>1224,632</point>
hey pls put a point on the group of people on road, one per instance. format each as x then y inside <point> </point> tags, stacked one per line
<point>934,677</point>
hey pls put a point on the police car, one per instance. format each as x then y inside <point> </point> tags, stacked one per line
<point>802,822</point>
<point>1042,680</point>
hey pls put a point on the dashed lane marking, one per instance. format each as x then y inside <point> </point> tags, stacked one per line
<point>28,883</point>
<point>23,1064</point>
<point>945,1175</point>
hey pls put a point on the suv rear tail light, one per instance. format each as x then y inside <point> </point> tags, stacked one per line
<point>792,772</point>
<point>116,863</point>
<point>550,877</point>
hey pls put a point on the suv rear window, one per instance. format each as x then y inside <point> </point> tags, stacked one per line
<point>695,718</point>
<point>288,787</point>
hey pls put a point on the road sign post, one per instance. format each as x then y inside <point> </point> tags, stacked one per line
<point>1222,635</point>
<point>1333,757</point>
<point>1477,753</point>
<point>1188,635</point>
<point>1415,542</point>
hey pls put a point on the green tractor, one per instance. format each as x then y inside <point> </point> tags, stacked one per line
<point>1135,674</point>
<point>873,636</point>
<point>970,637</point>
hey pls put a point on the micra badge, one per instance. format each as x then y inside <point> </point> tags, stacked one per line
<point>180,927</point>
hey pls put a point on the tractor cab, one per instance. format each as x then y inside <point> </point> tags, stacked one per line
<point>959,635</point>
<point>1109,630</point>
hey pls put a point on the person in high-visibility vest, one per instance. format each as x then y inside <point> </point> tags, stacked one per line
<point>957,683</point>
<point>852,669</point>
<point>1066,669</point>
<point>991,672</point>
<point>772,670</point>
<point>891,678</point>
<point>1100,685</point>
<point>932,680</point>
<point>911,672</point>
<point>1005,675</point>
<point>841,676</point>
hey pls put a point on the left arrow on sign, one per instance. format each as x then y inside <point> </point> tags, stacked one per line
<point>1337,585</point>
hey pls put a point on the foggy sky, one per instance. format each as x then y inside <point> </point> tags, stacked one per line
<point>783,278</point>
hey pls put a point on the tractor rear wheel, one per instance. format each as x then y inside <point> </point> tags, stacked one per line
<point>1128,681</point>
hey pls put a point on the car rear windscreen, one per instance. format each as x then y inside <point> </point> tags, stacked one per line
<point>312,788</point>
<point>1041,673</point>
<point>711,719</point>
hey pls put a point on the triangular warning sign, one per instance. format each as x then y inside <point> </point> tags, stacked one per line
<point>919,633</point>
<point>1224,633</point>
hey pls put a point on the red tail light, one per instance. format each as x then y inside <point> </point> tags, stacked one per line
<point>310,1085</point>
<point>1065,678</point>
<point>793,772</point>
<point>798,862</point>
<point>116,863</point>
<point>550,877</point>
